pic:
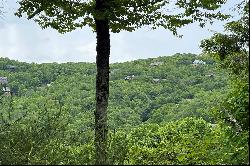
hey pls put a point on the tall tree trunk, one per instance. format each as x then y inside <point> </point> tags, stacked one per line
<point>102,87</point>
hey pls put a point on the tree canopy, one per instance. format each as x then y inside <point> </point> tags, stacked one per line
<point>129,15</point>
<point>232,50</point>
<point>236,38</point>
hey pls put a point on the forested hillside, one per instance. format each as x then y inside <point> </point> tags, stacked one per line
<point>154,90</point>
<point>160,112</point>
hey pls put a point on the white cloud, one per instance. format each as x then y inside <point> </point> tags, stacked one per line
<point>87,50</point>
<point>11,44</point>
<point>24,40</point>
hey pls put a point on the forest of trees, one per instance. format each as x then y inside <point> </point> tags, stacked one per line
<point>165,114</point>
<point>170,110</point>
<point>106,16</point>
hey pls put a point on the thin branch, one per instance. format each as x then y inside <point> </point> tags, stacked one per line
<point>35,13</point>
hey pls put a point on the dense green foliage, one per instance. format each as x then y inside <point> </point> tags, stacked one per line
<point>104,16</point>
<point>128,15</point>
<point>164,115</point>
<point>232,52</point>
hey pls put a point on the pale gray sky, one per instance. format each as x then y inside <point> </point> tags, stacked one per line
<point>24,40</point>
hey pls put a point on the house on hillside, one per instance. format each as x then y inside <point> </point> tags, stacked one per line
<point>6,91</point>
<point>199,62</point>
<point>11,68</point>
<point>210,75</point>
<point>3,80</point>
<point>129,77</point>
<point>156,80</point>
<point>153,64</point>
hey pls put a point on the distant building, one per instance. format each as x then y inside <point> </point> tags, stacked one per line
<point>129,77</point>
<point>3,80</point>
<point>49,84</point>
<point>156,80</point>
<point>210,75</point>
<point>11,67</point>
<point>156,64</point>
<point>6,91</point>
<point>199,62</point>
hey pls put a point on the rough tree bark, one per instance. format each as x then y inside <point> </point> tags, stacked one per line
<point>102,87</point>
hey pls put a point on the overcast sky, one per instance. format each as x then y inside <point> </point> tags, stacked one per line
<point>24,40</point>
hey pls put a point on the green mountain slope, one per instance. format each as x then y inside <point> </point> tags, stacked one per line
<point>162,89</point>
<point>49,118</point>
